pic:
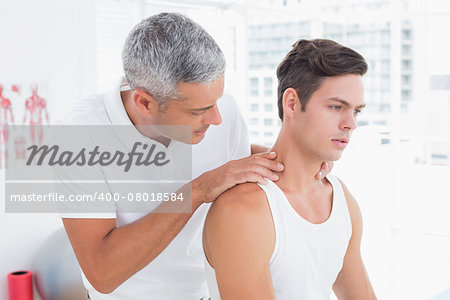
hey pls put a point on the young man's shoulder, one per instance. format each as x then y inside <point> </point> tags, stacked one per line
<point>247,198</point>
<point>240,212</point>
<point>239,222</point>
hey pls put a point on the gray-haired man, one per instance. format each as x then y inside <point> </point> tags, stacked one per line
<point>174,75</point>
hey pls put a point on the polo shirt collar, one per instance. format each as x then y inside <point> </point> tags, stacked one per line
<point>114,105</point>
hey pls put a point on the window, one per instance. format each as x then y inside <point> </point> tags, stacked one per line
<point>406,65</point>
<point>406,79</point>
<point>254,107</point>
<point>268,107</point>
<point>440,82</point>
<point>406,95</point>
<point>267,86</point>
<point>254,87</point>
<point>406,34</point>
<point>363,123</point>
<point>254,121</point>
<point>406,50</point>
<point>268,122</point>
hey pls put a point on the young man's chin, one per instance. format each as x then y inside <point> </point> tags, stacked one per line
<point>336,155</point>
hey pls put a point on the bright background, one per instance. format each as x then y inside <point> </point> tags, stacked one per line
<point>397,166</point>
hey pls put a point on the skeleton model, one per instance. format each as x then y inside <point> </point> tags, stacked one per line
<point>35,107</point>
<point>19,143</point>
<point>6,116</point>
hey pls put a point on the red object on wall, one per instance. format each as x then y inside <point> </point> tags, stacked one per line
<point>20,285</point>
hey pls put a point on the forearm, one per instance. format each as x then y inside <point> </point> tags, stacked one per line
<point>128,249</point>
<point>125,250</point>
<point>353,284</point>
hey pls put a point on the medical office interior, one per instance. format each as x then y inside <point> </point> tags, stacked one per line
<point>54,52</point>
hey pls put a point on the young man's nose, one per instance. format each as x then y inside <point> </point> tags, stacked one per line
<point>349,122</point>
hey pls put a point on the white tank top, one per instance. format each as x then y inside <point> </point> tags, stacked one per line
<point>307,257</point>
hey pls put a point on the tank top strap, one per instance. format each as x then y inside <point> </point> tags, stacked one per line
<point>339,197</point>
<point>275,200</point>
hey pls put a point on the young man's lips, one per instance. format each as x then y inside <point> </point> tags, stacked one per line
<point>341,143</point>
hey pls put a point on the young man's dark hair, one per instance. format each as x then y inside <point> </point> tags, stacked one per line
<point>309,61</point>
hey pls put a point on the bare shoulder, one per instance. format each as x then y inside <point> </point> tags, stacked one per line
<point>243,198</point>
<point>240,218</point>
<point>243,205</point>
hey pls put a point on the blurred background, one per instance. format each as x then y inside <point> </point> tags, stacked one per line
<point>397,165</point>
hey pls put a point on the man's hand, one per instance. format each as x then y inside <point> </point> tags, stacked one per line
<point>325,169</point>
<point>249,169</point>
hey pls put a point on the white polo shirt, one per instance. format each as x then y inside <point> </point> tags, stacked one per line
<point>178,272</point>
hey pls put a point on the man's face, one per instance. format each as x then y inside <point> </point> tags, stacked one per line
<point>198,109</point>
<point>324,129</point>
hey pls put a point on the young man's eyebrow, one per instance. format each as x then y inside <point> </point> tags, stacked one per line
<point>342,101</point>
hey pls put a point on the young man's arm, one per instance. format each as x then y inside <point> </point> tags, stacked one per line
<point>239,239</point>
<point>109,255</point>
<point>353,282</point>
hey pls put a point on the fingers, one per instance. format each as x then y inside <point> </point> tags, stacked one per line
<point>325,169</point>
<point>266,160</point>
<point>255,168</point>
<point>254,177</point>
<point>270,155</point>
<point>253,173</point>
<point>319,175</point>
<point>265,172</point>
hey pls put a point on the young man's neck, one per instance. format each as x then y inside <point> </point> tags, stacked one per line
<point>300,167</point>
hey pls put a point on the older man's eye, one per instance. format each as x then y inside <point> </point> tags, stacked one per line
<point>197,113</point>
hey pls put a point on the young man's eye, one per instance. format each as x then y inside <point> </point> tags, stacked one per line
<point>197,113</point>
<point>335,107</point>
<point>357,112</point>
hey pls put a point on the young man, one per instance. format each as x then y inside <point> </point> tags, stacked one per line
<point>174,75</point>
<point>300,237</point>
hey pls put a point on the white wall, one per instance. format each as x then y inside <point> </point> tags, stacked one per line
<point>51,42</point>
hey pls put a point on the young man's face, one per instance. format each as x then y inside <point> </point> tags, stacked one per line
<point>323,130</point>
<point>198,109</point>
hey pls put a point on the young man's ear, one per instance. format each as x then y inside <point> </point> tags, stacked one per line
<point>145,103</point>
<point>291,103</point>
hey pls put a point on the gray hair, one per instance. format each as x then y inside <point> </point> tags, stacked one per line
<point>166,49</point>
